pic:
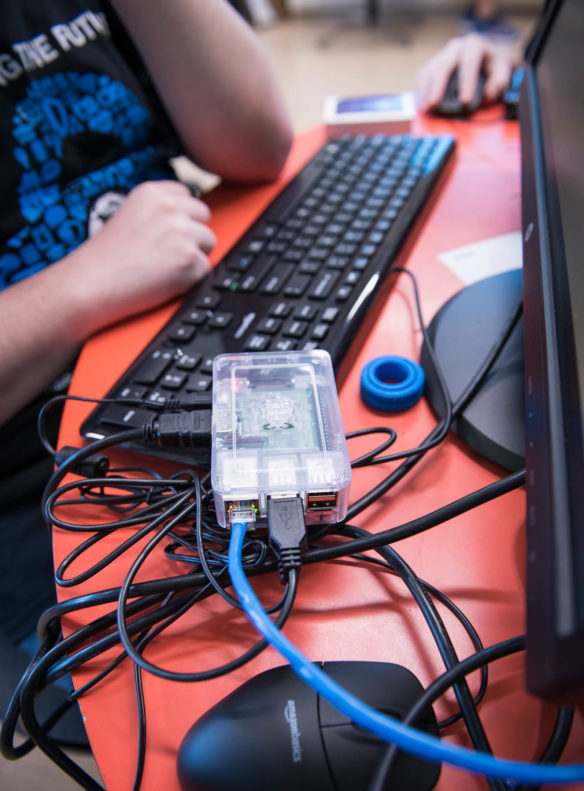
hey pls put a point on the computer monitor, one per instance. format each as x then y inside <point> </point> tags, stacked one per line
<point>552,145</point>
<point>529,409</point>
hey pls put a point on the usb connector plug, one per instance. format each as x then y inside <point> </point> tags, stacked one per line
<point>287,531</point>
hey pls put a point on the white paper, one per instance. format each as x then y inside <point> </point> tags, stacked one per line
<point>482,259</point>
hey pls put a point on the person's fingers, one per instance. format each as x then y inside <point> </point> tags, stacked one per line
<point>433,77</point>
<point>499,70</point>
<point>471,60</point>
<point>171,187</point>
<point>201,265</point>
<point>204,237</point>
<point>197,210</point>
<point>193,208</point>
<point>437,83</point>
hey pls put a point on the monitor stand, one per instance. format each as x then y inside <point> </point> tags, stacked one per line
<point>462,332</point>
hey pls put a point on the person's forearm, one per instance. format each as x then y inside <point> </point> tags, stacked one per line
<point>41,328</point>
<point>216,83</point>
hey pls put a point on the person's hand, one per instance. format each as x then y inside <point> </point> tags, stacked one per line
<point>469,54</point>
<point>154,248</point>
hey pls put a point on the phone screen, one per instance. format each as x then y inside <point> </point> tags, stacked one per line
<point>368,104</point>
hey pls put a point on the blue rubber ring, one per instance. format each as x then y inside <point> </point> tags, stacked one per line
<point>392,383</point>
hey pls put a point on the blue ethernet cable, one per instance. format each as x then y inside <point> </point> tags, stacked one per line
<point>382,726</point>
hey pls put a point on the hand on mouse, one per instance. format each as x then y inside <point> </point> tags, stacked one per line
<point>469,54</point>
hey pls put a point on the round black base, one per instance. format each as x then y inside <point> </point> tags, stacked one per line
<point>463,332</point>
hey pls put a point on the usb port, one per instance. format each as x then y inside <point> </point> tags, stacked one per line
<point>321,501</point>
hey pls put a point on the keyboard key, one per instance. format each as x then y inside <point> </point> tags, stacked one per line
<point>281,309</point>
<point>226,283</point>
<point>390,213</point>
<point>153,367</point>
<point>337,261</point>
<point>345,248</point>
<point>328,240</point>
<point>294,328</point>
<point>122,417</point>
<point>269,325</point>
<point>196,317</point>
<point>304,242</point>
<point>173,380</point>
<point>132,391</point>
<point>276,279</point>
<point>209,301</point>
<point>157,397</point>
<point>260,269</point>
<point>320,331</point>
<point>249,283</point>
<point>361,225</point>
<point>306,312</point>
<point>284,345</point>
<point>188,362</point>
<point>353,236</point>
<point>276,248</point>
<point>240,263</point>
<point>183,333</point>
<point>257,343</point>
<point>329,314</point>
<point>294,224</point>
<point>344,217</point>
<point>324,285</point>
<point>198,383</point>
<point>367,214</point>
<point>297,285</point>
<point>220,319</point>
<point>302,212</point>
<point>207,365</point>
<point>293,255</point>
<point>318,253</point>
<point>310,267</point>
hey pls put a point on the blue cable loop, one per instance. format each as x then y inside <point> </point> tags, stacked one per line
<point>392,383</point>
<point>382,726</point>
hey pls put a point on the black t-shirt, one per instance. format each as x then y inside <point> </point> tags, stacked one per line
<point>80,126</point>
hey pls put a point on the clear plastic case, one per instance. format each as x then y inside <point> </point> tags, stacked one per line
<point>277,431</point>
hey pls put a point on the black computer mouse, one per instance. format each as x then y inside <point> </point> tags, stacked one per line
<point>275,732</point>
<point>450,105</point>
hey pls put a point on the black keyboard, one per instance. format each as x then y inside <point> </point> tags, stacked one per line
<point>303,276</point>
